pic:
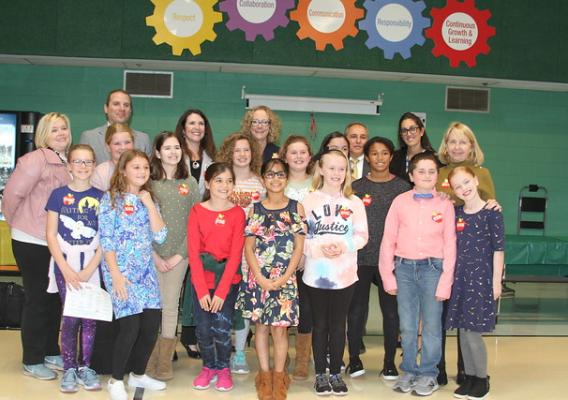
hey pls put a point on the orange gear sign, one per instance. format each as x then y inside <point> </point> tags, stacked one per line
<point>322,39</point>
<point>193,41</point>
<point>484,32</point>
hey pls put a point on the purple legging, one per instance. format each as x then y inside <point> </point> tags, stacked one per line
<point>70,329</point>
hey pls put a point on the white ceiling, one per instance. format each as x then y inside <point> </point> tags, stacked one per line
<point>164,65</point>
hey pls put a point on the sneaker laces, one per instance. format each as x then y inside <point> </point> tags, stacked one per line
<point>87,373</point>
<point>70,375</point>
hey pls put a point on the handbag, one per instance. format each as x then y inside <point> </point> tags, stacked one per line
<point>11,304</point>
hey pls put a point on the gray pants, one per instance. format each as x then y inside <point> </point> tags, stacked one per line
<point>474,353</point>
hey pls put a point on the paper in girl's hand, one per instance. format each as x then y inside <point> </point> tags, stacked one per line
<point>89,302</point>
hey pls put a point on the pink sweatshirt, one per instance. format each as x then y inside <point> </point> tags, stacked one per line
<point>417,229</point>
<point>333,219</point>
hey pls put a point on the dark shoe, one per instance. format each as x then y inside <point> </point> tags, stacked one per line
<point>442,378</point>
<point>195,354</point>
<point>464,390</point>
<point>479,389</point>
<point>322,386</point>
<point>460,378</point>
<point>338,387</point>
<point>355,367</point>
<point>389,372</point>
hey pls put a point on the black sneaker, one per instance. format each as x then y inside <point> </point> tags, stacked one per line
<point>322,386</point>
<point>355,367</point>
<point>442,378</point>
<point>465,388</point>
<point>479,388</point>
<point>338,387</point>
<point>389,372</point>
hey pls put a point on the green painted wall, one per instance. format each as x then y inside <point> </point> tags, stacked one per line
<point>524,135</point>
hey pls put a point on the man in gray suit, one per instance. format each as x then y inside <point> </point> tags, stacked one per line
<point>357,134</point>
<point>118,109</point>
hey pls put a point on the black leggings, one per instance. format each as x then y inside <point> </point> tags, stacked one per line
<point>359,309</point>
<point>329,315</point>
<point>305,324</point>
<point>135,341</point>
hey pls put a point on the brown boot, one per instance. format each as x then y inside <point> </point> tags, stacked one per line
<point>263,383</point>
<point>164,369</point>
<point>303,351</point>
<point>280,384</point>
<point>152,365</point>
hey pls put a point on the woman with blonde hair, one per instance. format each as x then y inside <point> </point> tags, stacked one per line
<point>263,125</point>
<point>25,196</point>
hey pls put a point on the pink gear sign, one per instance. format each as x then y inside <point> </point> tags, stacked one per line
<point>484,32</point>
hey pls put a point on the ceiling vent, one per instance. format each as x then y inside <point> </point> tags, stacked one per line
<point>149,84</point>
<point>467,99</point>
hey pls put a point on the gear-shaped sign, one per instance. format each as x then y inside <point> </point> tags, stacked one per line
<point>184,24</point>
<point>460,32</point>
<point>394,26</point>
<point>256,17</point>
<point>327,21</point>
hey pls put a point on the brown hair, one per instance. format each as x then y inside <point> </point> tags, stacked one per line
<point>317,182</point>
<point>109,95</point>
<point>225,154</point>
<point>207,144</point>
<point>420,157</point>
<point>81,147</point>
<point>213,171</point>
<point>118,183</point>
<point>274,127</point>
<point>157,172</point>
<point>116,128</point>
<point>297,139</point>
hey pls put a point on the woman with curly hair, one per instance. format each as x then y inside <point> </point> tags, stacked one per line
<point>264,127</point>
<point>240,151</point>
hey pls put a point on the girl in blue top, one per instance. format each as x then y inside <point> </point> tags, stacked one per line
<point>129,222</point>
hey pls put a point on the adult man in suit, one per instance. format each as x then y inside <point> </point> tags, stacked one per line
<point>118,109</point>
<point>357,134</point>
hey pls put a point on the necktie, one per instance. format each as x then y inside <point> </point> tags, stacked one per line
<point>355,169</point>
<point>423,195</point>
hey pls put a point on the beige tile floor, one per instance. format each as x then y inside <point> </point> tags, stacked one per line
<point>520,368</point>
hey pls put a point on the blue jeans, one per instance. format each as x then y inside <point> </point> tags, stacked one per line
<point>417,281</point>
<point>213,331</point>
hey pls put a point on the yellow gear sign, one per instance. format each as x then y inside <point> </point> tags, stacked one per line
<point>178,43</point>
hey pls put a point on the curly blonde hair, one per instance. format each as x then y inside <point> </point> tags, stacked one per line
<point>225,153</point>
<point>275,123</point>
<point>475,155</point>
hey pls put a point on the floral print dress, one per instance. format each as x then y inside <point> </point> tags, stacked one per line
<point>274,232</point>
<point>125,229</point>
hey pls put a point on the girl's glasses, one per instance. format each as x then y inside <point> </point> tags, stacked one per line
<point>413,130</point>
<point>272,175</point>
<point>260,121</point>
<point>86,163</point>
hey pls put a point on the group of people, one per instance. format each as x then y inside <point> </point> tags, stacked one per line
<point>276,237</point>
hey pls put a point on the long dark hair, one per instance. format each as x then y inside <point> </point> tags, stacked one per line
<point>207,144</point>
<point>424,141</point>
<point>157,169</point>
<point>325,142</point>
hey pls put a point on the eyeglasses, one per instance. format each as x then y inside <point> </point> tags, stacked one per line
<point>343,149</point>
<point>272,175</point>
<point>413,130</point>
<point>86,163</point>
<point>261,122</point>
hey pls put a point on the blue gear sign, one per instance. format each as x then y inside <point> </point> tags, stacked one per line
<point>416,36</point>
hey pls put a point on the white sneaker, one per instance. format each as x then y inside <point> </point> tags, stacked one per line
<point>116,390</point>
<point>144,381</point>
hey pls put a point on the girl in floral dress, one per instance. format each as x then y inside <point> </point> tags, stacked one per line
<point>129,222</point>
<point>273,249</point>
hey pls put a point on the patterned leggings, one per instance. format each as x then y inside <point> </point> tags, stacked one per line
<point>70,329</point>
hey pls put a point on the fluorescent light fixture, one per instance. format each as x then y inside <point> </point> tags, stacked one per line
<point>313,104</point>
